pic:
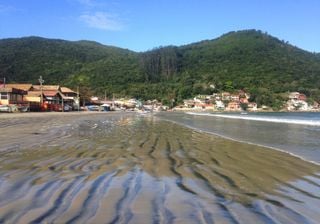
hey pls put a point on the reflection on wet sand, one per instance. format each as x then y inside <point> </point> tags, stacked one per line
<point>131,169</point>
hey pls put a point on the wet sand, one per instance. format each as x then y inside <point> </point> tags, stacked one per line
<point>126,168</point>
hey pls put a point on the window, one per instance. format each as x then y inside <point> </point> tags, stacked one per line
<point>13,97</point>
<point>4,96</point>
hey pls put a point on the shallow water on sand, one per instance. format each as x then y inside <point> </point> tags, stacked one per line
<point>295,133</point>
<point>125,168</point>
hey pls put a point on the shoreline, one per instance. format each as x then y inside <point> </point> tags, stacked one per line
<point>288,149</point>
<point>84,113</point>
<point>259,119</point>
<point>245,142</point>
<point>239,111</point>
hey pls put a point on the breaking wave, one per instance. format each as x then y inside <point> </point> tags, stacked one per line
<point>261,118</point>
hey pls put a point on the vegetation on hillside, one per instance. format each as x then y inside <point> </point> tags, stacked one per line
<point>251,60</point>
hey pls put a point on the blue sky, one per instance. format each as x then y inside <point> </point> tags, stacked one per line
<point>141,25</point>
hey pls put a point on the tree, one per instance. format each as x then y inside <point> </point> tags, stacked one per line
<point>228,86</point>
<point>244,106</point>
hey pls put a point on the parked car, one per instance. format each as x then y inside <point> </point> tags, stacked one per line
<point>5,108</point>
<point>93,108</point>
<point>8,108</point>
<point>67,107</point>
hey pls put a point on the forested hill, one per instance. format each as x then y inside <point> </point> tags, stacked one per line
<point>249,59</point>
<point>25,59</point>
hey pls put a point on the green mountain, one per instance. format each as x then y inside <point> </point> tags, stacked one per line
<point>24,59</point>
<point>251,60</point>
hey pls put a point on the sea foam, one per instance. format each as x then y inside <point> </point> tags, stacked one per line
<point>261,118</point>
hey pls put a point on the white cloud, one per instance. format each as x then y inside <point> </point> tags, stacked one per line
<point>101,20</point>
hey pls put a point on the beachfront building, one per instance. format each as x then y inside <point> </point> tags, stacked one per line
<point>223,101</point>
<point>51,96</point>
<point>69,92</point>
<point>34,100</point>
<point>189,103</point>
<point>252,107</point>
<point>52,100</point>
<point>226,96</point>
<point>244,100</point>
<point>233,106</point>
<point>219,105</point>
<point>298,105</point>
<point>12,97</point>
<point>14,93</point>
<point>235,97</point>
<point>199,106</point>
<point>71,96</point>
<point>9,95</point>
<point>131,103</point>
<point>56,98</point>
<point>294,95</point>
<point>297,102</point>
<point>152,105</point>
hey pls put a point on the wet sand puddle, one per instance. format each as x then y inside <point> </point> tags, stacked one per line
<point>130,169</point>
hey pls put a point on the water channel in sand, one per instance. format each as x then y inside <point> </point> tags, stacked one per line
<point>126,168</point>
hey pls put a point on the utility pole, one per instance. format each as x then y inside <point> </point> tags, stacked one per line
<point>113,104</point>
<point>41,81</point>
<point>78,97</point>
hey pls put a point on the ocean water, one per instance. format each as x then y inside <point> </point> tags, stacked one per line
<point>294,133</point>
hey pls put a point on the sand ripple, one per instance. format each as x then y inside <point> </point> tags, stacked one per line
<point>131,169</point>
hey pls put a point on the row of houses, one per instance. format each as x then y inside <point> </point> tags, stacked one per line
<point>220,101</point>
<point>226,101</point>
<point>131,104</point>
<point>38,97</point>
<point>298,102</point>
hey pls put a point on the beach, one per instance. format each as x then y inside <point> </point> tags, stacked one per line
<point>119,167</point>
